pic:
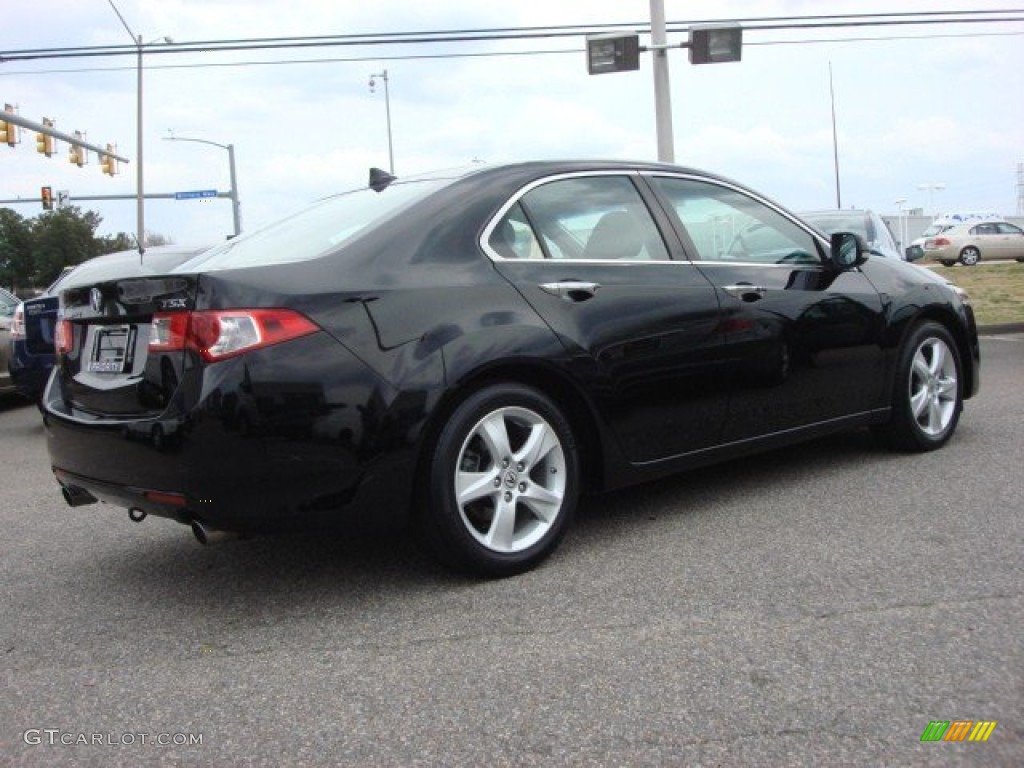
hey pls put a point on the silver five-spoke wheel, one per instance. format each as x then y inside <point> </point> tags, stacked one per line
<point>933,386</point>
<point>927,392</point>
<point>510,479</point>
<point>503,481</point>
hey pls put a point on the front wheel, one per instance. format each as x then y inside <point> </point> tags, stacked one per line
<point>970,256</point>
<point>502,482</point>
<point>927,397</point>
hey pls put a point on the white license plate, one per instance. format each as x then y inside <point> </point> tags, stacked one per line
<point>113,348</point>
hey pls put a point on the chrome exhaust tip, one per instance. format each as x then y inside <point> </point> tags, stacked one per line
<point>209,536</point>
<point>77,497</point>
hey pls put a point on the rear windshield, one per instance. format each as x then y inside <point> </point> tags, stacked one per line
<point>315,231</point>
<point>936,229</point>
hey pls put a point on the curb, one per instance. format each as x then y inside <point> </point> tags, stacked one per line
<point>991,330</point>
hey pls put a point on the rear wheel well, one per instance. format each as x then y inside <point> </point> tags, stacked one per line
<point>568,399</point>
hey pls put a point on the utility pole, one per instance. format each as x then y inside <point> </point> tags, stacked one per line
<point>662,92</point>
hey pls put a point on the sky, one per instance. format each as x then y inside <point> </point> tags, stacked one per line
<point>938,106</point>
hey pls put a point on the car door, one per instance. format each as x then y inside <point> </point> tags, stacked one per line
<point>804,339</point>
<point>1011,241</point>
<point>641,329</point>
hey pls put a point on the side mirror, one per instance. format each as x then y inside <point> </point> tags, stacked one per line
<point>848,250</point>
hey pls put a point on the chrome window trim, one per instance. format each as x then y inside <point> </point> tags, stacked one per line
<point>494,256</point>
<point>746,193</point>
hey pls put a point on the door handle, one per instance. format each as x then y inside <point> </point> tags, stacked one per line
<point>571,290</point>
<point>746,291</point>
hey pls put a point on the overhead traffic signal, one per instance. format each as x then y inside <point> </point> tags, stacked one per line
<point>45,143</point>
<point>46,193</point>
<point>76,154</point>
<point>108,162</point>
<point>8,131</point>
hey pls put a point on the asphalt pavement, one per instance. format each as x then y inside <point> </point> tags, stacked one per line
<point>819,605</point>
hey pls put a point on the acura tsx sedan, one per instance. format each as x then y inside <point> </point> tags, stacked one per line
<point>471,352</point>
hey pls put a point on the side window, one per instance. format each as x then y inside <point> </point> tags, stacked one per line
<point>727,225</point>
<point>513,238</point>
<point>985,229</point>
<point>594,217</point>
<point>1009,229</point>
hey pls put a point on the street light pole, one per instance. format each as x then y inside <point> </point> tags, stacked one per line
<point>931,187</point>
<point>140,201</point>
<point>387,106</point>
<point>662,93</point>
<point>902,221</point>
<point>236,209</point>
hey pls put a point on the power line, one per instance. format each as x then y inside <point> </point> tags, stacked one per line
<point>513,33</point>
<point>480,54</point>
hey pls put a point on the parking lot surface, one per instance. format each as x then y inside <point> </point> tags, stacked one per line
<point>819,605</point>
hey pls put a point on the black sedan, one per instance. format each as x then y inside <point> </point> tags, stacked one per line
<point>472,352</point>
<point>31,347</point>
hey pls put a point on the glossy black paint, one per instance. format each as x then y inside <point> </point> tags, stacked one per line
<point>32,357</point>
<point>659,370</point>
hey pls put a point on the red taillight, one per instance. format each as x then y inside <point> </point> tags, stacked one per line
<point>63,337</point>
<point>220,334</point>
<point>942,241</point>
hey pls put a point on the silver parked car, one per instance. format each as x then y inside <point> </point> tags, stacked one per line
<point>971,241</point>
<point>8,303</point>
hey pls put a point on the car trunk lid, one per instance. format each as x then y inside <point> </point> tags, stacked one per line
<point>105,369</point>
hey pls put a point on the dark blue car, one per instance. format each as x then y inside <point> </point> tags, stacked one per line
<point>31,355</point>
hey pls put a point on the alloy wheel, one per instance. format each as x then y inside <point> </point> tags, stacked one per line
<point>934,387</point>
<point>510,479</point>
<point>970,256</point>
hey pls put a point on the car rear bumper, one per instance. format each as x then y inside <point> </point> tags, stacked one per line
<point>261,449</point>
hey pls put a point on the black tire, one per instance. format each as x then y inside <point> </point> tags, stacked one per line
<point>970,256</point>
<point>507,518</point>
<point>927,396</point>
<point>947,263</point>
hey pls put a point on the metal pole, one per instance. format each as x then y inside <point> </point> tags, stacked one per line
<point>141,200</point>
<point>236,208</point>
<point>236,212</point>
<point>387,109</point>
<point>835,141</point>
<point>387,106</point>
<point>662,93</point>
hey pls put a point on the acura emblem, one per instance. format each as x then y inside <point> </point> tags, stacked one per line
<point>96,299</point>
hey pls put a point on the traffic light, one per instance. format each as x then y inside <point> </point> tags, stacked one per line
<point>46,193</point>
<point>76,154</point>
<point>108,162</point>
<point>44,142</point>
<point>8,131</point>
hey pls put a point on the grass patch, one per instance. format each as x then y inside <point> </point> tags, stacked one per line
<point>996,290</point>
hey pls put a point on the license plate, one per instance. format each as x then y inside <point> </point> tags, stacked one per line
<point>113,350</point>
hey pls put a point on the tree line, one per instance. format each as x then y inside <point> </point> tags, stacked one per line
<point>33,251</point>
